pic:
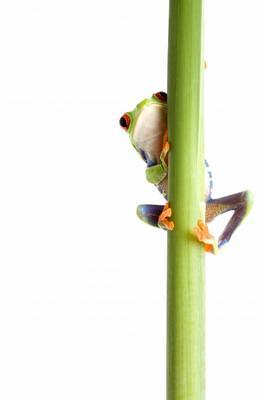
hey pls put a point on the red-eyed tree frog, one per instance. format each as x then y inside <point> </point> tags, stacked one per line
<point>146,126</point>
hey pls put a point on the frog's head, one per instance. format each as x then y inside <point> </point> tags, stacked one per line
<point>146,125</point>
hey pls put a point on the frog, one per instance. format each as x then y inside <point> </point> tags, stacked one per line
<point>146,126</point>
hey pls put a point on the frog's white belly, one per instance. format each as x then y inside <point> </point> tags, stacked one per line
<point>149,130</point>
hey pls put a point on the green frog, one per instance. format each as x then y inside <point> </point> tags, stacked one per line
<point>146,126</point>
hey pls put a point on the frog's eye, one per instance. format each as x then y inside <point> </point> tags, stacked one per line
<point>125,121</point>
<point>162,96</point>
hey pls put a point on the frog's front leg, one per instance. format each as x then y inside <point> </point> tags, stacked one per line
<point>156,215</point>
<point>240,203</point>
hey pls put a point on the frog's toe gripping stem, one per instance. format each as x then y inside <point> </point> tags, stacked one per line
<point>166,145</point>
<point>156,215</point>
<point>201,231</point>
<point>164,152</point>
<point>164,222</point>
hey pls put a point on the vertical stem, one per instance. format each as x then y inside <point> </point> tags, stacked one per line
<point>186,293</point>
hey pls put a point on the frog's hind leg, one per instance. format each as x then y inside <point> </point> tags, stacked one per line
<point>156,215</point>
<point>240,203</point>
<point>149,213</point>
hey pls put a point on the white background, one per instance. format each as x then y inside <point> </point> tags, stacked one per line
<point>82,280</point>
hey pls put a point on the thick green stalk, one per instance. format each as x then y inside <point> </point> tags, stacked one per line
<point>185,298</point>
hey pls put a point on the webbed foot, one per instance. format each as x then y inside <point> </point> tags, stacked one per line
<point>166,145</point>
<point>163,221</point>
<point>201,231</point>
<point>165,148</point>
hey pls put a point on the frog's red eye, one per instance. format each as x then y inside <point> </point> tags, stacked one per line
<point>161,96</point>
<point>125,121</point>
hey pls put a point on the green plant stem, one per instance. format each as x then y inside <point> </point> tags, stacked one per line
<point>186,270</point>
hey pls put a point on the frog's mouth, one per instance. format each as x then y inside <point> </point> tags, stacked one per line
<point>149,130</point>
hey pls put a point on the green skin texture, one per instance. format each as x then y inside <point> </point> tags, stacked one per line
<point>240,202</point>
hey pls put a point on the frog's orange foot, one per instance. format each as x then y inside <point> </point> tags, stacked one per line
<point>166,145</point>
<point>164,221</point>
<point>201,231</point>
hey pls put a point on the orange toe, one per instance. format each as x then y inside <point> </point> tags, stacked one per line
<point>201,231</point>
<point>166,147</point>
<point>164,221</point>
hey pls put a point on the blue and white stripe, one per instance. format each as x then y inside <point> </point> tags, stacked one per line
<point>209,181</point>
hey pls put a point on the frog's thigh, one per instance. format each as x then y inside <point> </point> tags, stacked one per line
<point>236,201</point>
<point>214,208</point>
<point>149,213</point>
<point>240,203</point>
